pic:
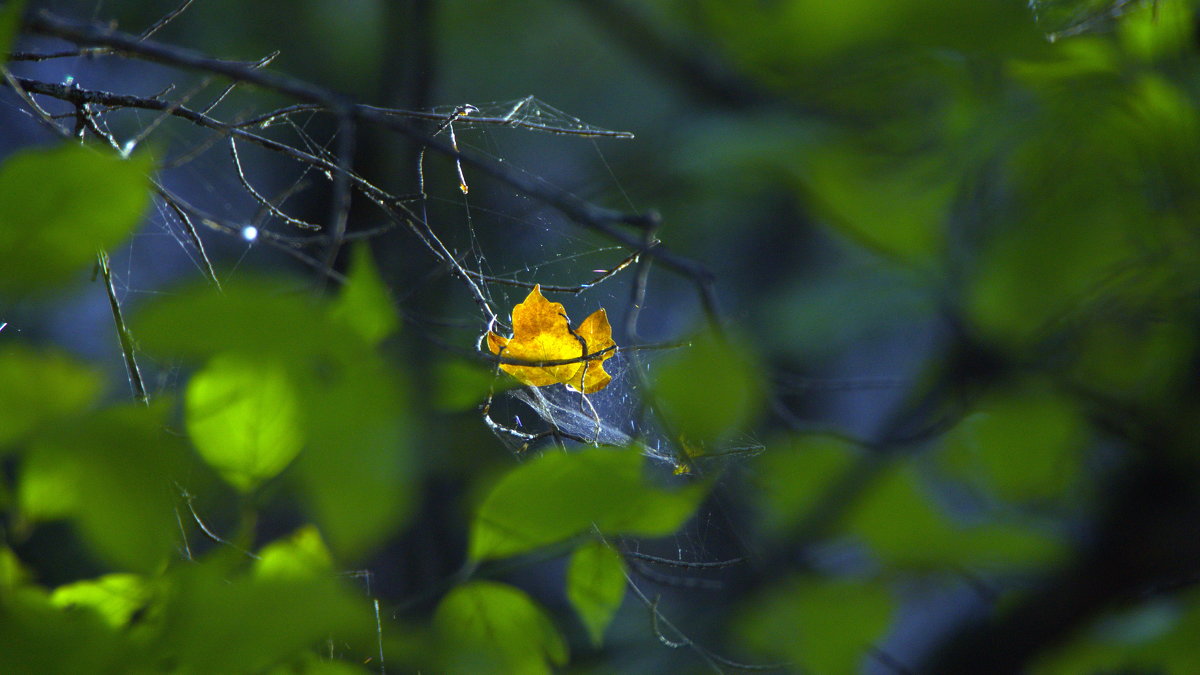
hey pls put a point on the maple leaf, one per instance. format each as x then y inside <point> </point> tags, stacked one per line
<point>542,332</point>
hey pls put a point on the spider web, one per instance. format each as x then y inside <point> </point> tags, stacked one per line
<point>242,195</point>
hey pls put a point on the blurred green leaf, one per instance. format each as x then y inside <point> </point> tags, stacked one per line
<point>41,637</point>
<point>111,474</point>
<point>37,389</point>
<point>790,45</point>
<point>899,206</point>
<point>258,316</point>
<point>1024,443</point>
<point>907,530</point>
<point>113,597</point>
<point>559,495</point>
<point>357,470</point>
<point>793,473</point>
<point>1142,361</point>
<point>314,664</point>
<point>364,303</point>
<point>58,206</point>
<point>1084,229</point>
<point>822,317</point>
<point>711,389</point>
<point>823,626</point>
<point>460,385</point>
<point>212,623</point>
<point>10,21</point>
<point>596,586</point>
<point>487,627</point>
<point>243,415</point>
<point>12,572</point>
<point>1158,636</point>
<point>301,556</point>
<point>1159,29</point>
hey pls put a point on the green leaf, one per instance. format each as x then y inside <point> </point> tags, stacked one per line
<point>364,303</point>
<point>487,627</point>
<point>259,316</point>
<point>357,470</point>
<point>1023,444</point>
<point>216,624</point>
<point>243,416</point>
<point>37,389</point>
<point>12,572</point>
<point>111,474</point>
<point>794,473</point>
<point>358,457</point>
<point>10,21</point>
<point>906,529</point>
<point>59,206</point>
<point>460,385</point>
<point>301,556</point>
<point>827,626</point>
<point>1157,30</point>
<point>596,586</point>
<point>709,390</point>
<point>899,206</point>
<point>560,495</point>
<point>113,597</point>
<point>40,637</point>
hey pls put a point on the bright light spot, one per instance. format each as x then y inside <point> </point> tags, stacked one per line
<point>3,324</point>
<point>69,80</point>
<point>127,148</point>
<point>250,233</point>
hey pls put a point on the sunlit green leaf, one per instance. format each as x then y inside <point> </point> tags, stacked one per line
<point>39,388</point>
<point>111,474</point>
<point>487,627</point>
<point>12,572</point>
<point>559,495</point>
<point>364,303</point>
<point>58,206</point>
<point>114,597</point>
<point>41,637</point>
<point>301,556</point>
<point>825,626</point>
<point>1157,29</point>
<point>710,390</point>
<point>244,418</point>
<point>596,585</point>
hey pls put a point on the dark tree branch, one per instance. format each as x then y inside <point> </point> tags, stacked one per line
<point>580,211</point>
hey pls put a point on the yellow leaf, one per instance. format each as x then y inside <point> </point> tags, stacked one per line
<point>542,332</point>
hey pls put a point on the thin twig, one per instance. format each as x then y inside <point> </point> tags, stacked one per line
<point>123,334</point>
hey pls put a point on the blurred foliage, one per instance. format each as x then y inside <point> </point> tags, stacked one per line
<point>596,586</point>
<point>1019,180</point>
<point>46,193</point>
<point>558,495</point>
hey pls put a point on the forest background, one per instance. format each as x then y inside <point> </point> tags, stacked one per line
<point>904,300</point>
